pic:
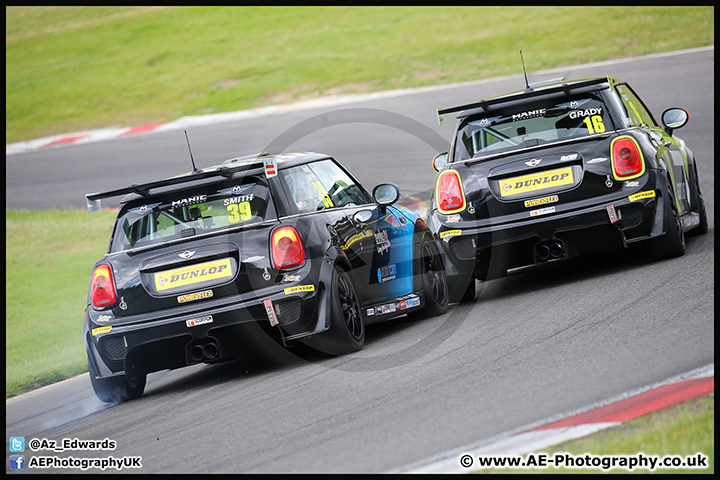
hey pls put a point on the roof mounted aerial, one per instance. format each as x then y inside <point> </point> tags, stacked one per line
<point>195,169</point>
<point>528,88</point>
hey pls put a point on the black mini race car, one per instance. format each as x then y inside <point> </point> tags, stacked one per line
<point>204,266</point>
<point>552,172</point>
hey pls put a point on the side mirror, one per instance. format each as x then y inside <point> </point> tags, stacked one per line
<point>673,118</point>
<point>439,161</point>
<point>385,195</point>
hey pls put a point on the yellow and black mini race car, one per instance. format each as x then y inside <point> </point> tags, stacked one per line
<point>288,246</point>
<point>558,170</point>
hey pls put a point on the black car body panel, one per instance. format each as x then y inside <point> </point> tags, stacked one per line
<point>539,182</point>
<point>197,275</point>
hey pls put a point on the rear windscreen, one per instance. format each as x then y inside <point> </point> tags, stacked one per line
<point>214,208</point>
<point>532,124</point>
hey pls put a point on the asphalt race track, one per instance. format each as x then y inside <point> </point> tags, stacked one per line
<point>530,347</point>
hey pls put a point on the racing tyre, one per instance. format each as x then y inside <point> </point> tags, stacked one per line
<point>672,243</point>
<point>347,330</point>
<point>116,389</point>
<point>703,226</point>
<point>434,280</point>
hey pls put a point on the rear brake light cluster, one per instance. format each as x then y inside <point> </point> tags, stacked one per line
<point>627,158</point>
<point>287,248</point>
<point>449,193</point>
<point>102,287</point>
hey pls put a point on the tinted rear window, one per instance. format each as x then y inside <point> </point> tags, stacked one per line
<point>213,208</point>
<point>533,124</point>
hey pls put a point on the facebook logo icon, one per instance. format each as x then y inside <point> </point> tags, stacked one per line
<point>17,462</point>
<point>17,444</point>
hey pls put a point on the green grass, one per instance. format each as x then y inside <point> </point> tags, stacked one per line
<point>49,258</point>
<point>75,68</point>
<point>682,430</point>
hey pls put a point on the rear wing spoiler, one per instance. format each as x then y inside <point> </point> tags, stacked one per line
<point>93,200</point>
<point>527,93</point>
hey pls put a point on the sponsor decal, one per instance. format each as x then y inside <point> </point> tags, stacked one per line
<point>612,214</point>
<point>382,242</point>
<point>542,211</point>
<point>586,113</point>
<point>632,183</point>
<point>195,296</point>
<point>387,273</point>
<point>371,311</point>
<point>390,308</point>
<point>536,181</point>
<point>567,158</point>
<point>688,222</point>
<point>299,288</point>
<point>186,254</point>
<point>103,318</point>
<point>485,121</point>
<point>453,219</point>
<point>270,310</point>
<point>450,233</point>
<point>270,167</point>
<point>403,305</point>
<point>413,302</point>
<point>201,272</point>
<point>541,201</point>
<point>534,162</point>
<point>597,160</point>
<point>99,330</point>
<point>236,189</point>
<point>290,278</point>
<point>194,322</point>
<point>144,209</point>
<point>638,196</point>
<point>189,201</point>
<point>529,114</point>
<point>573,104</point>
<point>238,199</point>
<point>356,237</point>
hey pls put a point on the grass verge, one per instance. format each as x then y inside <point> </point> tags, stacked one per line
<point>683,430</point>
<point>75,68</point>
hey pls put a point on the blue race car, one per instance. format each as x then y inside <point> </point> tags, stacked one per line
<point>289,246</point>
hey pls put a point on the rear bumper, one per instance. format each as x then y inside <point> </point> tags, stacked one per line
<point>492,251</point>
<point>207,332</point>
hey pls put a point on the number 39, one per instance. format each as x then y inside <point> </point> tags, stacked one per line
<point>239,212</point>
<point>594,124</point>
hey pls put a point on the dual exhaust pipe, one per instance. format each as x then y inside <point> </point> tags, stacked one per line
<point>200,352</point>
<point>545,251</point>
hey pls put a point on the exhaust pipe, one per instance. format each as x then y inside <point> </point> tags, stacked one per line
<point>210,351</point>
<point>196,353</point>
<point>542,252</point>
<point>557,250</point>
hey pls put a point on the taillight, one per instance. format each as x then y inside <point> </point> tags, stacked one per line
<point>627,159</point>
<point>287,248</point>
<point>449,193</point>
<point>102,287</point>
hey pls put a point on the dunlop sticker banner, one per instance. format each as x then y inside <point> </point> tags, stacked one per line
<point>536,181</point>
<point>201,272</point>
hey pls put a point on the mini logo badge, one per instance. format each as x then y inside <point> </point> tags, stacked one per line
<point>534,162</point>
<point>186,254</point>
